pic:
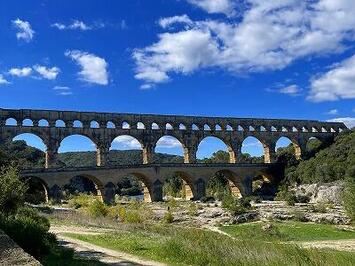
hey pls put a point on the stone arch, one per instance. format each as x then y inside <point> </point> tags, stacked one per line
<point>284,141</point>
<point>27,122</point>
<point>154,126</point>
<point>77,124</point>
<point>84,183</point>
<point>194,127</point>
<point>148,195</point>
<point>110,124</point>
<point>78,143</point>
<point>11,122</point>
<point>140,125</point>
<point>94,124</point>
<point>224,181</point>
<point>168,126</point>
<point>206,127</point>
<point>121,143</point>
<point>229,128</point>
<point>215,144</point>
<point>252,147</point>
<point>182,126</point>
<point>37,190</point>
<point>59,123</point>
<point>43,123</point>
<point>170,144</point>
<point>217,127</point>
<point>35,141</point>
<point>125,125</point>
<point>187,188</point>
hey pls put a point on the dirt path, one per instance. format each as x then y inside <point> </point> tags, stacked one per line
<point>342,244</point>
<point>91,251</point>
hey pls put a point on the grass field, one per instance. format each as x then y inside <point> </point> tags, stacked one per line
<point>186,246</point>
<point>288,231</point>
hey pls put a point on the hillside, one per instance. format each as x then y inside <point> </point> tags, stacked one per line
<point>335,162</point>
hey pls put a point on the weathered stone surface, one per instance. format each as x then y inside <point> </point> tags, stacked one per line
<point>322,193</point>
<point>12,255</point>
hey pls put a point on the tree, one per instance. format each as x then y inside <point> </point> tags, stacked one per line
<point>12,190</point>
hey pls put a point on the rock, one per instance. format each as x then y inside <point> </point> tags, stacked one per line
<point>325,193</point>
<point>245,217</point>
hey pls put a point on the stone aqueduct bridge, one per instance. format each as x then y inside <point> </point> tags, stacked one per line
<point>102,128</point>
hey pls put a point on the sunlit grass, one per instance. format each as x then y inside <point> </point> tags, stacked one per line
<point>288,231</point>
<point>180,246</point>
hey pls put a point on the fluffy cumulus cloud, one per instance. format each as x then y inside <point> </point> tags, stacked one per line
<point>215,6</point>
<point>20,72</point>
<point>337,83</point>
<point>348,121</point>
<point>47,73</point>
<point>75,25</point>
<point>127,142</point>
<point>268,35</point>
<point>332,112</point>
<point>93,68</point>
<point>3,80</point>
<point>168,142</point>
<point>24,30</point>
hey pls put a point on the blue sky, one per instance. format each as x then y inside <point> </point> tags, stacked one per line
<point>252,58</point>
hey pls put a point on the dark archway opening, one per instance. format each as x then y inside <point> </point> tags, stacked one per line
<point>37,192</point>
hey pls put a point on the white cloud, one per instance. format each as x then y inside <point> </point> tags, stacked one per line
<point>292,90</point>
<point>268,35</point>
<point>20,72</point>
<point>128,142</point>
<point>215,6</point>
<point>348,121</point>
<point>3,80</point>
<point>75,25</point>
<point>337,83</point>
<point>168,142</point>
<point>25,31</point>
<point>146,86</point>
<point>332,112</point>
<point>93,68</point>
<point>47,73</point>
<point>62,90</point>
<point>167,22</point>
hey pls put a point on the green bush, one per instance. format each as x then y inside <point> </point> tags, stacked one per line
<point>133,217</point>
<point>192,211</point>
<point>12,190</point>
<point>81,200</point>
<point>234,205</point>
<point>97,209</point>
<point>349,193</point>
<point>168,217</point>
<point>29,231</point>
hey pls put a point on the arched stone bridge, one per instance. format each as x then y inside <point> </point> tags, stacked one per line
<point>195,177</point>
<point>102,128</point>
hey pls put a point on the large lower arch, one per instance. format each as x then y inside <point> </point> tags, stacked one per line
<point>129,144</point>
<point>179,185</point>
<point>253,150</point>
<point>38,155</point>
<point>169,145</point>
<point>37,191</point>
<point>85,184</point>
<point>148,188</point>
<point>214,150</point>
<point>71,145</point>
<point>223,182</point>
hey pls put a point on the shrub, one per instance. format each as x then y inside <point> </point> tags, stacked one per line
<point>133,217</point>
<point>29,231</point>
<point>299,216</point>
<point>168,217</point>
<point>302,199</point>
<point>98,209</point>
<point>192,211</point>
<point>320,207</point>
<point>236,206</point>
<point>81,200</point>
<point>12,190</point>
<point>349,193</point>
<point>122,213</point>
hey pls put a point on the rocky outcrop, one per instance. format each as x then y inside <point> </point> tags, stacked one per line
<point>322,193</point>
<point>12,254</point>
